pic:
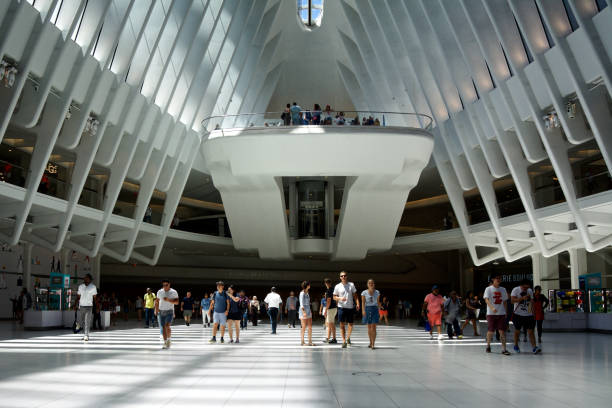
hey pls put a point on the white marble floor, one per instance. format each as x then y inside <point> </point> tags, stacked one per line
<point>126,367</point>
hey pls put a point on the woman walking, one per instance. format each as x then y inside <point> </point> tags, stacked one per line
<point>384,310</point>
<point>305,312</point>
<point>254,310</point>
<point>540,303</point>
<point>472,305</point>
<point>235,315</point>
<point>370,298</point>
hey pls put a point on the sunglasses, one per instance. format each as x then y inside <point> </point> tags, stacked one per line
<point>342,276</point>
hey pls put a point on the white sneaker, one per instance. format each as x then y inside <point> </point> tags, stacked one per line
<point>440,337</point>
<point>165,346</point>
<point>168,342</point>
<point>430,336</point>
<point>86,338</point>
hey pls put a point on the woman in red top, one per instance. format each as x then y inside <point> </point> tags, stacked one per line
<point>540,302</point>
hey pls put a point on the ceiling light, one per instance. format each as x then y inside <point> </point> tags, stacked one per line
<point>8,73</point>
<point>92,125</point>
<point>570,108</point>
<point>551,120</point>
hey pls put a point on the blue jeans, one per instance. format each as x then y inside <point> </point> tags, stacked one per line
<point>245,319</point>
<point>273,313</point>
<point>149,316</point>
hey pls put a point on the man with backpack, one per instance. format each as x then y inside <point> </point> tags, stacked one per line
<point>219,307</point>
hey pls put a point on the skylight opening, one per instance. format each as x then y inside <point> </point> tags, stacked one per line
<point>310,12</point>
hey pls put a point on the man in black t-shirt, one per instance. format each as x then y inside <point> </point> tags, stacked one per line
<point>330,312</point>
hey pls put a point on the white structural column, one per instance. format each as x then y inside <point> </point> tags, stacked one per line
<point>578,263</point>
<point>96,270</point>
<point>27,266</point>
<point>545,272</point>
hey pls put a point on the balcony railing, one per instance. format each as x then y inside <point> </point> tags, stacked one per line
<point>246,121</point>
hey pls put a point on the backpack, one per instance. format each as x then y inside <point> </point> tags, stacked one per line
<point>243,304</point>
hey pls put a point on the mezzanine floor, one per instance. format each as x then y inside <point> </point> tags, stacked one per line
<point>126,367</point>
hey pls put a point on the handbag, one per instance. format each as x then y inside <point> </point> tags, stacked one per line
<point>75,325</point>
<point>427,326</point>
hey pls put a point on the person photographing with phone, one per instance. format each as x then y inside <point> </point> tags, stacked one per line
<point>522,299</point>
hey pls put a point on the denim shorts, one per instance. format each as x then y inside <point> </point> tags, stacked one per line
<point>165,317</point>
<point>220,318</point>
<point>371,315</point>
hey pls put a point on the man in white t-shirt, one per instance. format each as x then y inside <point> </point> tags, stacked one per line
<point>496,298</point>
<point>274,302</point>
<point>345,294</point>
<point>164,307</point>
<point>522,299</point>
<point>86,297</point>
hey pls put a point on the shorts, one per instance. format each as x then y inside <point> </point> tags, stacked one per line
<point>234,316</point>
<point>382,313</point>
<point>187,313</point>
<point>471,314</point>
<point>307,314</point>
<point>497,322</point>
<point>220,318</point>
<point>166,317</point>
<point>346,315</point>
<point>331,315</point>
<point>528,322</point>
<point>372,315</point>
<point>435,319</point>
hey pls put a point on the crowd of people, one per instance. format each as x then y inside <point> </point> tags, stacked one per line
<point>524,307</point>
<point>231,310</point>
<point>295,115</point>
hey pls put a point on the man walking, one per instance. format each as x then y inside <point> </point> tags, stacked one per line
<point>149,307</point>
<point>451,310</point>
<point>345,294</point>
<point>187,308</point>
<point>330,313</point>
<point>295,111</point>
<point>433,306</point>
<point>522,298</point>
<point>86,295</point>
<point>274,301</point>
<point>291,309</point>
<point>164,308</point>
<point>496,298</point>
<point>219,305</point>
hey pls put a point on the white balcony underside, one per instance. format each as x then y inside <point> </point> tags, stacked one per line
<point>381,164</point>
